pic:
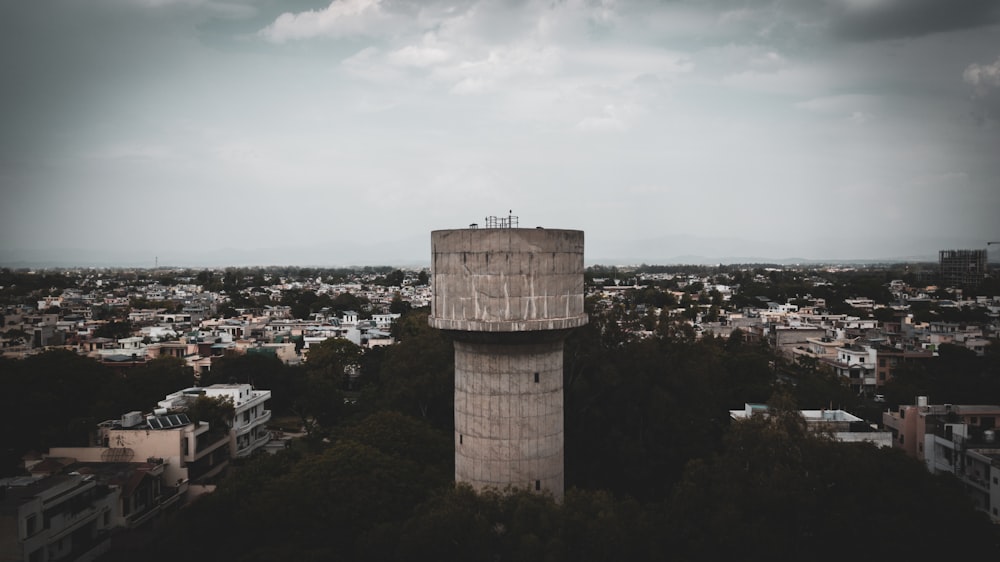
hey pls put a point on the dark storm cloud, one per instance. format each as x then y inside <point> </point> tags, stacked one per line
<point>892,19</point>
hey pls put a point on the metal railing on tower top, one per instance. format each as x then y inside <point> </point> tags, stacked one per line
<point>510,221</point>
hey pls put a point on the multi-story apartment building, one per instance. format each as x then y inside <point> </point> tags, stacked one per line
<point>248,431</point>
<point>856,364</point>
<point>62,517</point>
<point>972,454</point>
<point>958,439</point>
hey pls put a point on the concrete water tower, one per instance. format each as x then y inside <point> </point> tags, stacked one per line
<point>508,297</point>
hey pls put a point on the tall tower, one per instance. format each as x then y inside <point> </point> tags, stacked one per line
<point>508,297</point>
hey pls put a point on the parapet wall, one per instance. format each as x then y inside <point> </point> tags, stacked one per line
<point>507,279</point>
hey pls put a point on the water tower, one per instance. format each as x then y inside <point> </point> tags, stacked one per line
<point>508,297</point>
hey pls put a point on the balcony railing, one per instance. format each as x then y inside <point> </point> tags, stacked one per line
<point>251,447</point>
<point>256,422</point>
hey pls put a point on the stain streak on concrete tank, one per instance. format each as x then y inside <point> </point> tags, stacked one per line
<point>508,297</point>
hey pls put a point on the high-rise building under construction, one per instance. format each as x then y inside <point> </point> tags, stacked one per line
<point>962,268</point>
<point>508,296</point>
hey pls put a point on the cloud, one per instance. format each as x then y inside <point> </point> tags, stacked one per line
<point>872,20</point>
<point>860,117</point>
<point>132,151</point>
<point>859,109</point>
<point>983,77</point>
<point>429,53</point>
<point>614,119</point>
<point>229,10</point>
<point>499,66</point>
<point>792,80</point>
<point>342,18</point>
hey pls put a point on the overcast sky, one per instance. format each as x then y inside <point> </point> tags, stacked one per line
<point>318,133</point>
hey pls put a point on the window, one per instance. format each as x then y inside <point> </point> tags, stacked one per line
<point>31,524</point>
<point>536,377</point>
<point>538,485</point>
<point>460,436</point>
<point>900,438</point>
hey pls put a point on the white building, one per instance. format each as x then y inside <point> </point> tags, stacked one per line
<point>856,363</point>
<point>842,426</point>
<point>384,321</point>
<point>249,426</point>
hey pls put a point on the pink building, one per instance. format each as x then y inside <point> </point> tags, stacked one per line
<point>912,423</point>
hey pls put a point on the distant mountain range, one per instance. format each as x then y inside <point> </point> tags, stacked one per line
<point>415,252</point>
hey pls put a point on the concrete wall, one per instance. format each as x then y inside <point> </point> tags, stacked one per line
<point>495,280</point>
<point>509,428</point>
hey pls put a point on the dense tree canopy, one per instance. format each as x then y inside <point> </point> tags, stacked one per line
<point>56,398</point>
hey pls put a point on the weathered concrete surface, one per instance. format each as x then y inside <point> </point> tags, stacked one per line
<point>508,297</point>
<point>509,428</point>
<point>507,280</point>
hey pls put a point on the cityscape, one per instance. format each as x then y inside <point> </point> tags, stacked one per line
<point>155,392</point>
<point>583,280</point>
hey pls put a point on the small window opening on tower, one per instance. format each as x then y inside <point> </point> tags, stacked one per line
<point>460,438</point>
<point>536,377</point>
<point>538,485</point>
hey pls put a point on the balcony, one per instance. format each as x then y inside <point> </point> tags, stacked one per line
<point>258,421</point>
<point>61,525</point>
<point>251,447</point>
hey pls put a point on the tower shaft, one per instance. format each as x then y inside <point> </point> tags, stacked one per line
<point>509,415</point>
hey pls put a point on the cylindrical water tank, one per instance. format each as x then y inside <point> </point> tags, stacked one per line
<point>507,279</point>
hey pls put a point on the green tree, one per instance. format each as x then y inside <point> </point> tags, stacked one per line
<point>265,372</point>
<point>149,383</point>
<point>114,329</point>
<point>398,305</point>
<point>217,412</point>
<point>417,374</point>
<point>335,356</point>
<point>777,491</point>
